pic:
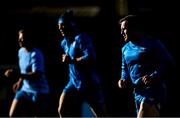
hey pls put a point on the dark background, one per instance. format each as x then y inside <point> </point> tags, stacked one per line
<point>99,18</point>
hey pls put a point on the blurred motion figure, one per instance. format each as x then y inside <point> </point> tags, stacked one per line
<point>84,85</point>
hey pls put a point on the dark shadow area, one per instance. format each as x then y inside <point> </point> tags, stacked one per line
<point>104,30</point>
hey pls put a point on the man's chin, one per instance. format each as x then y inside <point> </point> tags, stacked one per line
<point>125,39</point>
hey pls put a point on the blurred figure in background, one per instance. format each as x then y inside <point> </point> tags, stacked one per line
<point>84,84</point>
<point>32,89</point>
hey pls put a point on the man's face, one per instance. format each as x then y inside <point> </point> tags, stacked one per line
<point>61,28</point>
<point>124,30</point>
<point>20,39</point>
<point>23,40</point>
<point>65,30</point>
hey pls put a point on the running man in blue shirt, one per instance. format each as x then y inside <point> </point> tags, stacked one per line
<point>32,89</point>
<point>145,62</point>
<point>84,84</point>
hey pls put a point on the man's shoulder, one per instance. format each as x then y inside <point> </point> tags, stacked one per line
<point>83,38</point>
<point>126,45</point>
<point>63,42</point>
<point>21,50</point>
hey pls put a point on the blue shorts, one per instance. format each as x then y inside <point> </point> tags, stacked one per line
<point>144,99</point>
<point>153,96</point>
<point>33,97</point>
<point>92,94</point>
<point>38,101</point>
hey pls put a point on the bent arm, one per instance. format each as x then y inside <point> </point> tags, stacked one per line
<point>124,80</point>
<point>86,46</point>
<point>165,61</point>
<point>37,67</point>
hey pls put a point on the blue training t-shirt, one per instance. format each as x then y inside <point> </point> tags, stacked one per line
<point>80,75</point>
<point>31,62</point>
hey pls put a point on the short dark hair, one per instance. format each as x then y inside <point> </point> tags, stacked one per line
<point>67,17</point>
<point>133,21</point>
